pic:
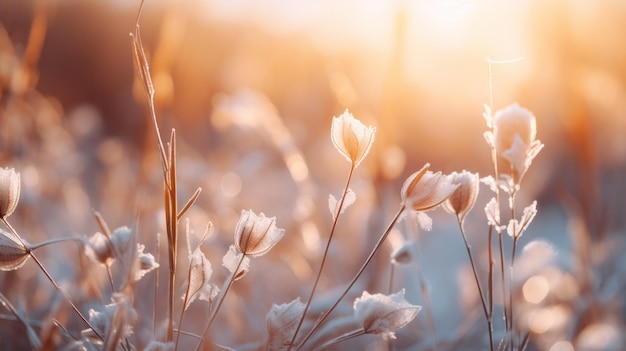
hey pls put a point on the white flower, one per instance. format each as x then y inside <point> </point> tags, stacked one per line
<point>425,190</point>
<point>9,191</point>
<point>464,197</point>
<point>384,314</point>
<point>352,138</point>
<point>256,235</point>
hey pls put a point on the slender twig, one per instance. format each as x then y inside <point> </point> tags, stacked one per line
<point>35,343</point>
<point>369,258</point>
<point>336,215</point>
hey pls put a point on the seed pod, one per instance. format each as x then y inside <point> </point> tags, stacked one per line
<point>13,253</point>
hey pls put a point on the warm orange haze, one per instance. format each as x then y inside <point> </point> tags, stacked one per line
<point>312,175</point>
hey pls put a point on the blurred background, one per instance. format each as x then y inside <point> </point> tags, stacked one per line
<point>251,86</point>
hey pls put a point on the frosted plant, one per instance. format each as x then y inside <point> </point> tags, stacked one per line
<point>515,130</point>
<point>255,235</point>
<point>352,138</point>
<point>425,190</point>
<point>464,197</point>
<point>103,249</point>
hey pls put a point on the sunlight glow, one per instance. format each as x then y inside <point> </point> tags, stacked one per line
<point>536,289</point>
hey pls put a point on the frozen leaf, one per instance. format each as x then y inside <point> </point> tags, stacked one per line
<point>493,214</point>
<point>384,314</point>
<point>199,279</point>
<point>333,204</point>
<point>233,258</point>
<point>282,321</point>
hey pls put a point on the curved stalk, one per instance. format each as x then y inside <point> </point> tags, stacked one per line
<point>324,257</point>
<point>369,258</point>
<point>340,338</point>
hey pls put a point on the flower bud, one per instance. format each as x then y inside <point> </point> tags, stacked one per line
<point>515,130</point>
<point>383,314</point>
<point>425,190</point>
<point>256,235</point>
<point>13,253</point>
<point>9,191</point>
<point>464,197</point>
<point>352,138</point>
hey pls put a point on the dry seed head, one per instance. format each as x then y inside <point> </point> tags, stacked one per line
<point>9,191</point>
<point>425,190</point>
<point>352,138</point>
<point>464,197</point>
<point>256,235</point>
<point>13,253</point>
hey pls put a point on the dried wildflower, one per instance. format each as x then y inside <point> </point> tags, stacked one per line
<point>352,138</point>
<point>9,191</point>
<point>425,190</point>
<point>515,130</point>
<point>282,321</point>
<point>383,314</point>
<point>464,197</point>
<point>256,235</point>
<point>333,204</point>
<point>13,252</point>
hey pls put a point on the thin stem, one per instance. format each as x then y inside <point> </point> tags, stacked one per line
<point>54,283</point>
<point>504,284</point>
<point>324,257</point>
<point>480,290</point>
<point>156,284</point>
<point>108,268</point>
<point>35,343</point>
<point>376,248</point>
<point>490,284</point>
<point>340,338</point>
<point>513,249</point>
<point>427,304</point>
<point>220,300</point>
<point>182,312</point>
<point>52,241</point>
